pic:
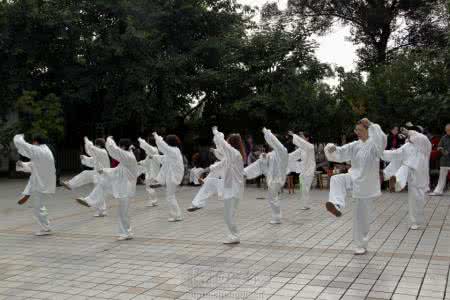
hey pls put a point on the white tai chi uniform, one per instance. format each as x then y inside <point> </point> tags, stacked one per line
<point>120,182</point>
<point>410,164</point>
<point>98,159</point>
<point>274,166</point>
<point>363,179</point>
<point>307,167</point>
<point>42,182</point>
<point>150,167</point>
<point>231,167</point>
<point>212,184</point>
<point>170,175</point>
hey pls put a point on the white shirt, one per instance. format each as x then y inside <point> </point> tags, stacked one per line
<point>151,166</point>
<point>273,165</point>
<point>43,173</point>
<point>365,162</point>
<point>415,154</point>
<point>124,176</point>
<point>232,166</point>
<point>98,158</point>
<point>307,156</point>
<point>172,166</point>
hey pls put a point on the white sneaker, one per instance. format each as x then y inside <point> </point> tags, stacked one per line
<point>415,227</point>
<point>231,241</point>
<point>175,219</point>
<point>43,232</point>
<point>360,251</point>
<point>274,222</point>
<point>305,208</point>
<point>152,204</point>
<point>435,194</point>
<point>100,215</point>
<point>125,237</point>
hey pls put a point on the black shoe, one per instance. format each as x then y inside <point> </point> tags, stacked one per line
<point>193,208</point>
<point>333,209</point>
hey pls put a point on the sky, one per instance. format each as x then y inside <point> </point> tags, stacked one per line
<point>333,48</point>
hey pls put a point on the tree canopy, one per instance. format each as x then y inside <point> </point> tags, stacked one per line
<point>128,67</point>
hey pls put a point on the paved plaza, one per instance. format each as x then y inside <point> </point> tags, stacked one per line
<point>309,256</point>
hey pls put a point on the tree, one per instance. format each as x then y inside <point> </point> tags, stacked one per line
<point>382,27</point>
<point>41,116</point>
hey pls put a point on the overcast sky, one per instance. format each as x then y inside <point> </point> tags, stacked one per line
<point>333,48</point>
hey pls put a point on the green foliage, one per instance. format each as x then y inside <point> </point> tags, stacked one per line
<point>40,116</point>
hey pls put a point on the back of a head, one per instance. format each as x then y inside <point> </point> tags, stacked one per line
<point>39,139</point>
<point>125,144</point>
<point>235,141</point>
<point>100,142</point>
<point>173,140</point>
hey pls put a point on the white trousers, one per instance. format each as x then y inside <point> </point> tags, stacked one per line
<point>152,197</point>
<point>174,209</point>
<point>274,200</point>
<point>104,189</point>
<point>210,187</point>
<point>305,188</point>
<point>98,200</point>
<point>443,173</point>
<point>416,204</point>
<point>230,207</point>
<point>39,210</point>
<point>416,196</point>
<point>362,207</point>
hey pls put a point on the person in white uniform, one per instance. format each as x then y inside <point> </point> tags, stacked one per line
<point>230,185</point>
<point>410,164</point>
<point>212,183</point>
<point>42,182</point>
<point>274,166</point>
<point>363,178</point>
<point>150,167</point>
<point>98,160</point>
<point>307,167</point>
<point>172,171</point>
<point>120,182</point>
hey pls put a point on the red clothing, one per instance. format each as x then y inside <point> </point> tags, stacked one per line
<point>114,163</point>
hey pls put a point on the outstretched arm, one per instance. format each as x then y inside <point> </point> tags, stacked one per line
<point>301,143</point>
<point>377,138</point>
<point>24,148</point>
<point>115,151</point>
<point>162,145</point>
<point>149,149</point>
<point>273,142</point>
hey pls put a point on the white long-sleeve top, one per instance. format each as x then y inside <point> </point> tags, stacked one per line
<point>276,161</point>
<point>43,172</point>
<point>151,165</point>
<point>172,166</point>
<point>415,154</point>
<point>232,166</point>
<point>365,162</point>
<point>307,155</point>
<point>98,158</point>
<point>124,176</point>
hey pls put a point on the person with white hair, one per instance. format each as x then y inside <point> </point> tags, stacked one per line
<point>362,180</point>
<point>410,164</point>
